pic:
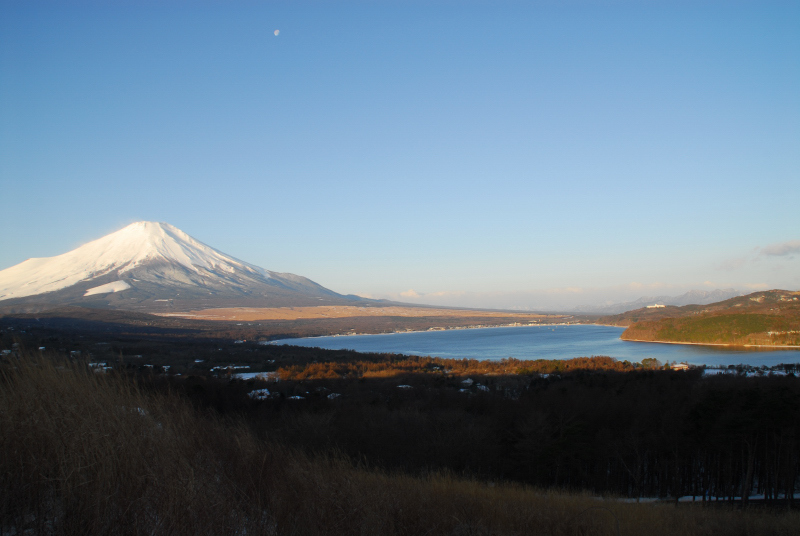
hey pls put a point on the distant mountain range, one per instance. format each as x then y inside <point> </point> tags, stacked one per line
<point>693,297</point>
<point>152,266</point>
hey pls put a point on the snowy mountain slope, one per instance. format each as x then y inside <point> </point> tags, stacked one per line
<point>124,250</point>
<point>116,286</point>
<point>149,264</point>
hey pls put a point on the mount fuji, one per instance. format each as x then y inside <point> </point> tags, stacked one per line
<point>150,266</point>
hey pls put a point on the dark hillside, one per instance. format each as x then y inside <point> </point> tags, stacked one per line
<point>769,318</point>
<point>85,453</point>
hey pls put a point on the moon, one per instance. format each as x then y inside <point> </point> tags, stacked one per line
<point>277,32</point>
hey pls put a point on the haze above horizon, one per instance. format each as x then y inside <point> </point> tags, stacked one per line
<point>475,154</point>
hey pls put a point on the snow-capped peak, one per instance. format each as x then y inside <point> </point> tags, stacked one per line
<point>147,240</point>
<point>122,251</point>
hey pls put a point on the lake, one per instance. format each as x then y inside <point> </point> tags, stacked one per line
<point>543,342</point>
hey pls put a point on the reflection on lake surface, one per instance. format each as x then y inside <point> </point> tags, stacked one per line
<point>544,342</point>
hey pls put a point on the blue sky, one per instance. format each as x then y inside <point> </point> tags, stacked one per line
<point>514,154</point>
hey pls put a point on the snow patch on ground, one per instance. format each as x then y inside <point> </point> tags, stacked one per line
<point>256,375</point>
<point>116,286</point>
<point>693,498</point>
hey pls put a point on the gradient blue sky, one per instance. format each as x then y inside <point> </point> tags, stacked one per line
<point>505,154</point>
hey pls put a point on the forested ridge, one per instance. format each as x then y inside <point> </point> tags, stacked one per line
<point>770,318</point>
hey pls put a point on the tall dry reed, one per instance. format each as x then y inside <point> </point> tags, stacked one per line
<point>86,453</point>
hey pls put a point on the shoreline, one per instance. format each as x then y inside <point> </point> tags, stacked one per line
<point>328,312</point>
<point>780,347</point>
<point>515,325</point>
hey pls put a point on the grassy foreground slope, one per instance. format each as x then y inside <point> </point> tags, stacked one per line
<point>82,453</point>
<point>769,318</point>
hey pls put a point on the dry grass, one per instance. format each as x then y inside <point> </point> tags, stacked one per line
<point>84,453</point>
<point>250,314</point>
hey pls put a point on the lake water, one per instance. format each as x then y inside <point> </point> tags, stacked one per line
<point>543,342</point>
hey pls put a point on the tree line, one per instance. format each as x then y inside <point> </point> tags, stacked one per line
<point>630,432</point>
